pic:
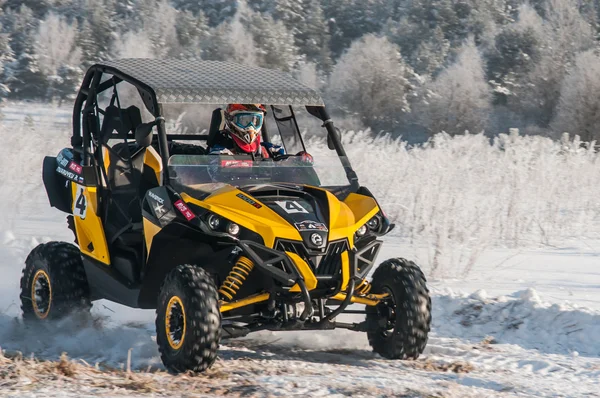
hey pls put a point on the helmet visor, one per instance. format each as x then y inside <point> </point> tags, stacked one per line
<point>245,120</point>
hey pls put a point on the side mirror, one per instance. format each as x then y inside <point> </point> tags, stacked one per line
<point>143,134</point>
<point>330,143</point>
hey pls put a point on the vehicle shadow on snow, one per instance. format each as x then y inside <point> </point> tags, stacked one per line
<point>276,350</point>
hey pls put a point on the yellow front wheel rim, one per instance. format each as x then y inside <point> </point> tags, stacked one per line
<point>175,322</point>
<point>41,294</point>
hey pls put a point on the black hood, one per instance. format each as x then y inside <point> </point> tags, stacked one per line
<point>305,208</point>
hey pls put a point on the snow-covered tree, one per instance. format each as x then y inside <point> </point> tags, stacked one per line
<point>231,41</point>
<point>372,81</point>
<point>22,75</point>
<point>308,73</point>
<point>431,55</point>
<point>39,7</point>
<point>98,30</point>
<point>459,98</point>
<point>275,44</point>
<point>57,55</point>
<point>54,44</point>
<point>134,45</point>
<point>349,20</point>
<point>6,57</point>
<point>306,21</point>
<point>579,104</point>
<point>191,30</point>
<point>566,33</point>
<point>217,12</point>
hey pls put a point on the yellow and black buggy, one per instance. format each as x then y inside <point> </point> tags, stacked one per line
<point>220,246</point>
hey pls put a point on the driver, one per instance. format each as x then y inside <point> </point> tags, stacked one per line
<point>242,133</point>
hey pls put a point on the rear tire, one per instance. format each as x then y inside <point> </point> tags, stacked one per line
<point>402,322</point>
<point>188,321</point>
<point>54,283</point>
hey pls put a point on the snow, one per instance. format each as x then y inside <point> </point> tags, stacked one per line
<point>523,322</point>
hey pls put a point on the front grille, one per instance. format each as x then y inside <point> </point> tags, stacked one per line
<point>327,263</point>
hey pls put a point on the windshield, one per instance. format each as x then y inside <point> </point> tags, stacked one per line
<point>201,172</point>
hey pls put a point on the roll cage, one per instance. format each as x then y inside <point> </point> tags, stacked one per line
<point>161,82</point>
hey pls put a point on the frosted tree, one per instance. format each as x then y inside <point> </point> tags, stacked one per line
<point>372,81</point>
<point>231,41</point>
<point>54,44</point>
<point>159,22</point>
<point>566,33</point>
<point>57,54</point>
<point>191,30</point>
<point>39,7</point>
<point>6,57</point>
<point>100,29</point>
<point>274,43</point>
<point>217,46</point>
<point>314,40</point>
<point>308,73</point>
<point>431,55</point>
<point>217,12</point>
<point>22,75</point>
<point>516,50</point>
<point>459,98</point>
<point>306,20</point>
<point>351,19</point>
<point>134,45</point>
<point>579,104</point>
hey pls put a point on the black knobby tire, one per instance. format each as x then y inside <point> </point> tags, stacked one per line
<point>53,283</point>
<point>188,341</point>
<point>400,325</point>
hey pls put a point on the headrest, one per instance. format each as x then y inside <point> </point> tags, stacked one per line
<point>217,124</point>
<point>123,121</point>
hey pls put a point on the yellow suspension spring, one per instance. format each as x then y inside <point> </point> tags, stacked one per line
<point>236,277</point>
<point>363,288</point>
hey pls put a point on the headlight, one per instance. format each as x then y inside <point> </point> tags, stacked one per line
<point>233,229</point>
<point>361,231</point>
<point>373,223</point>
<point>214,222</point>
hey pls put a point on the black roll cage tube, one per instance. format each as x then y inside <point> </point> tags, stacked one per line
<point>91,86</point>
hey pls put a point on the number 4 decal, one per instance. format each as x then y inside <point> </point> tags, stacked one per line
<point>291,207</point>
<point>80,206</point>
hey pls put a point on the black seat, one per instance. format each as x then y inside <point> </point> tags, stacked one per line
<point>124,163</point>
<point>217,124</point>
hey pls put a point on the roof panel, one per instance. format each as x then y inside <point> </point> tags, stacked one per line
<point>215,82</point>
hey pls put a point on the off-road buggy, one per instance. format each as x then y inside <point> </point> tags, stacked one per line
<point>220,246</point>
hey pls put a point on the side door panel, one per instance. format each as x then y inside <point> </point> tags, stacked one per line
<point>88,226</point>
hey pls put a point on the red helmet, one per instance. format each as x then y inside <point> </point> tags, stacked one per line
<point>245,122</point>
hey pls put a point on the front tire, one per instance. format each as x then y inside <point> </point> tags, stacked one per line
<point>188,321</point>
<point>400,324</point>
<point>54,284</point>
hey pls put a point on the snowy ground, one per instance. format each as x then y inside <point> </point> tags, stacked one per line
<point>524,322</point>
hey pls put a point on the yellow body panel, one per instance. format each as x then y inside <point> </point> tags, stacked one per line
<point>363,208</point>
<point>345,218</point>
<point>90,229</point>
<point>150,230</point>
<point>152,160</point>
<point>263,220</point>
<point>309,277</point>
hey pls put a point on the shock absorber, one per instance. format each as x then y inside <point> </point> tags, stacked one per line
<point>363,288</point>
<point>238,274</point>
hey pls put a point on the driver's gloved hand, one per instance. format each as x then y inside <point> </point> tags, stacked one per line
<point>273,150</point>
<point>219,150</point>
